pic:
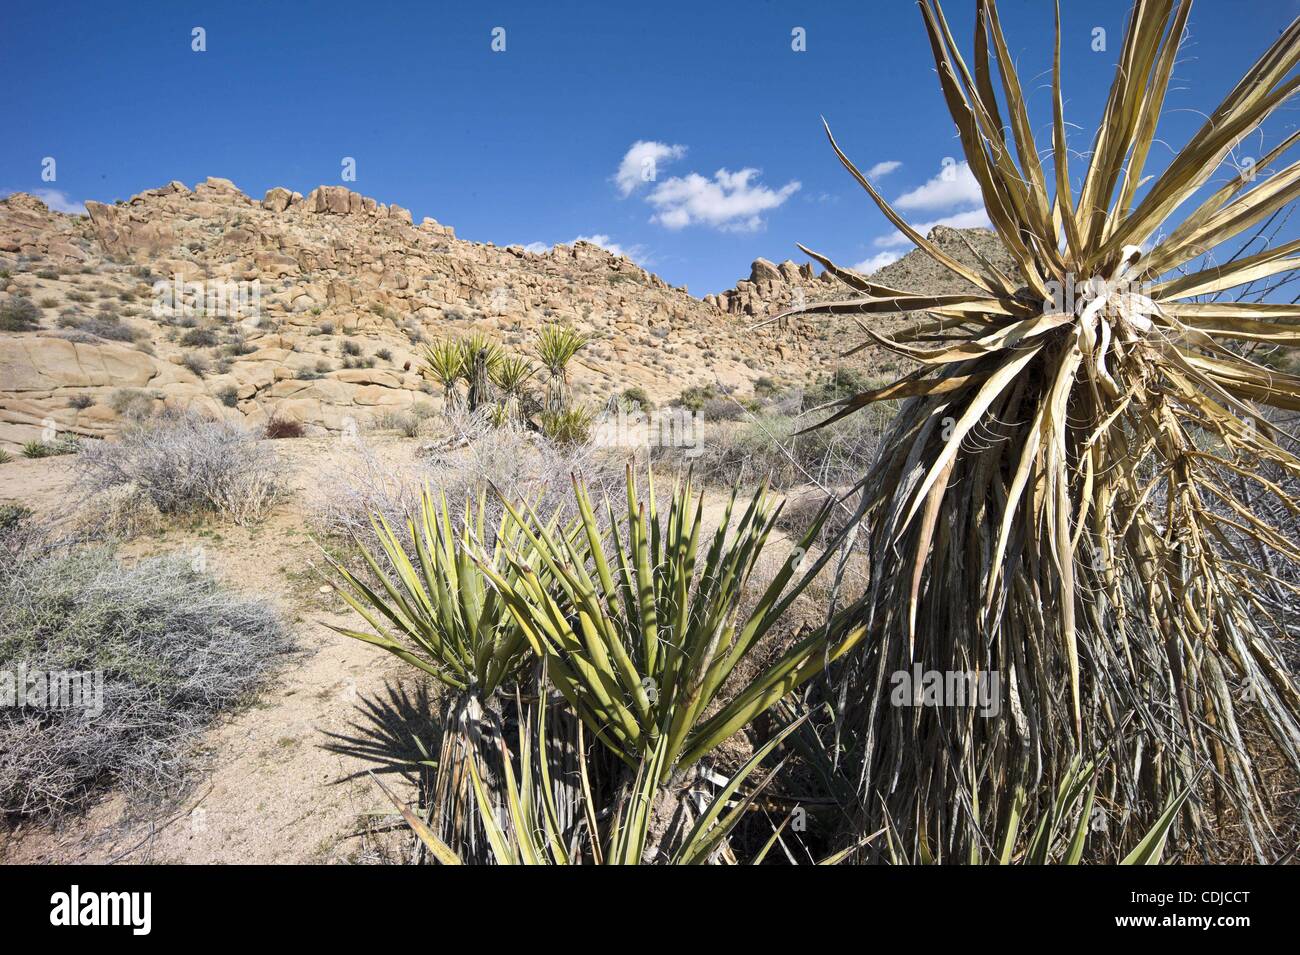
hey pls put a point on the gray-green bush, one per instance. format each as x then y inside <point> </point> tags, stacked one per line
<point>174,650</point>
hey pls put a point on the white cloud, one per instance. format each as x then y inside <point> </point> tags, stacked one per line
<point>641,164</point>
<point>955,185</point>
<point>882,169</point>
<point>730,201</point>
<point>970,219</point>
<point>56,199</point>
<point>538,248</point>
<point>877,261</point>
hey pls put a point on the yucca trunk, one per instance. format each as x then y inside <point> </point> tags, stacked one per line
<point>1051,515</point>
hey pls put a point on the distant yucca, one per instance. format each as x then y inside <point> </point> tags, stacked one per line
<point>1064,499</point>
<point>444,361</point>
<point>556,346</point>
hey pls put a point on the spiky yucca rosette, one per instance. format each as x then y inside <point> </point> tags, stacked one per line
<point>1063,500</point>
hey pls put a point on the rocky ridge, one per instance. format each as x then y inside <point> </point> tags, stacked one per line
<point>323,303</point>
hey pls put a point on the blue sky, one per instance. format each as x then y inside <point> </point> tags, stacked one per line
<point>525,145</point>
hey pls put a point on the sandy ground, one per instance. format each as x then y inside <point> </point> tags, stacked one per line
<point>267,787</point>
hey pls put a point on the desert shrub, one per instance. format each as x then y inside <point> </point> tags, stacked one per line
<point>118,513</point>
<point>637,395</point>
<point>47,274</point>
<point>187,463</point>
<point>767,445</point>
<point>323,367</point>
<point>408,424</point>
<point>721,409</point>
<point>106,325</point>
<point>237,347</point>
<point>277,428</point>
<point>229,396</point>
<point>81,402</point>
<point>843,382</point>
<point>12,515</point>
<point>694,397</point>
<point>169,648</point>
<point>79,296</point>
<point>325,328</point>
<point>49,302</point>
<point>350,347</point>
<point>384,354</point>
<point>131,403</point>
<point>199,338</point>
<point>197,364</point>
<point>19,314</point>
<point>520,464</point>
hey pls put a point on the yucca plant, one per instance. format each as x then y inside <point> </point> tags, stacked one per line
<point>641,644</point>
<point>433,609</point>
<point>1088,546</point>
<point>528,824</point>
<point>444,362</point>
<point>556,346</point>
<point>511,376</point>
<point>479,356</point>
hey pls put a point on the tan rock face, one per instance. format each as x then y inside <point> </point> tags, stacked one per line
<point>39,364</point>
<point>342,292</point>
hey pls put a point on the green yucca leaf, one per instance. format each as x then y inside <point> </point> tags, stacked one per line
<point>556,346</point>
<point>437,613</point>
<point>512,372</point>
<point>477,345</point>
<point>642,649</point>
<point>444,362</point>
<point>523,826</point>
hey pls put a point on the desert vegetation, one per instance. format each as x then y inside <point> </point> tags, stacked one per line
<point>1087,546</point>
<point>183,463</point>
<point>151,652</point>
<point>1009,581</point>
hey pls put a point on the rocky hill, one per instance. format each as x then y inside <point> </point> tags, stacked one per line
<point>316,307</point>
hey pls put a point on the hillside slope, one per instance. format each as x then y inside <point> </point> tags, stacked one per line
<point>315,308</point>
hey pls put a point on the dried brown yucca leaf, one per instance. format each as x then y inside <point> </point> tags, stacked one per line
<point>1065,496</point>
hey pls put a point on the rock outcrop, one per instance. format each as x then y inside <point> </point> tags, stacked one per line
<point>316,307</point>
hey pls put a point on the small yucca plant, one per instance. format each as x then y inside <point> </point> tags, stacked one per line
<point>556,347</point>
<point>432,608</point>
<point>511,376</point>
<point>444,362</point>
<point>1065,499</point>
<point>641,644</point>
<point>569,425</point>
